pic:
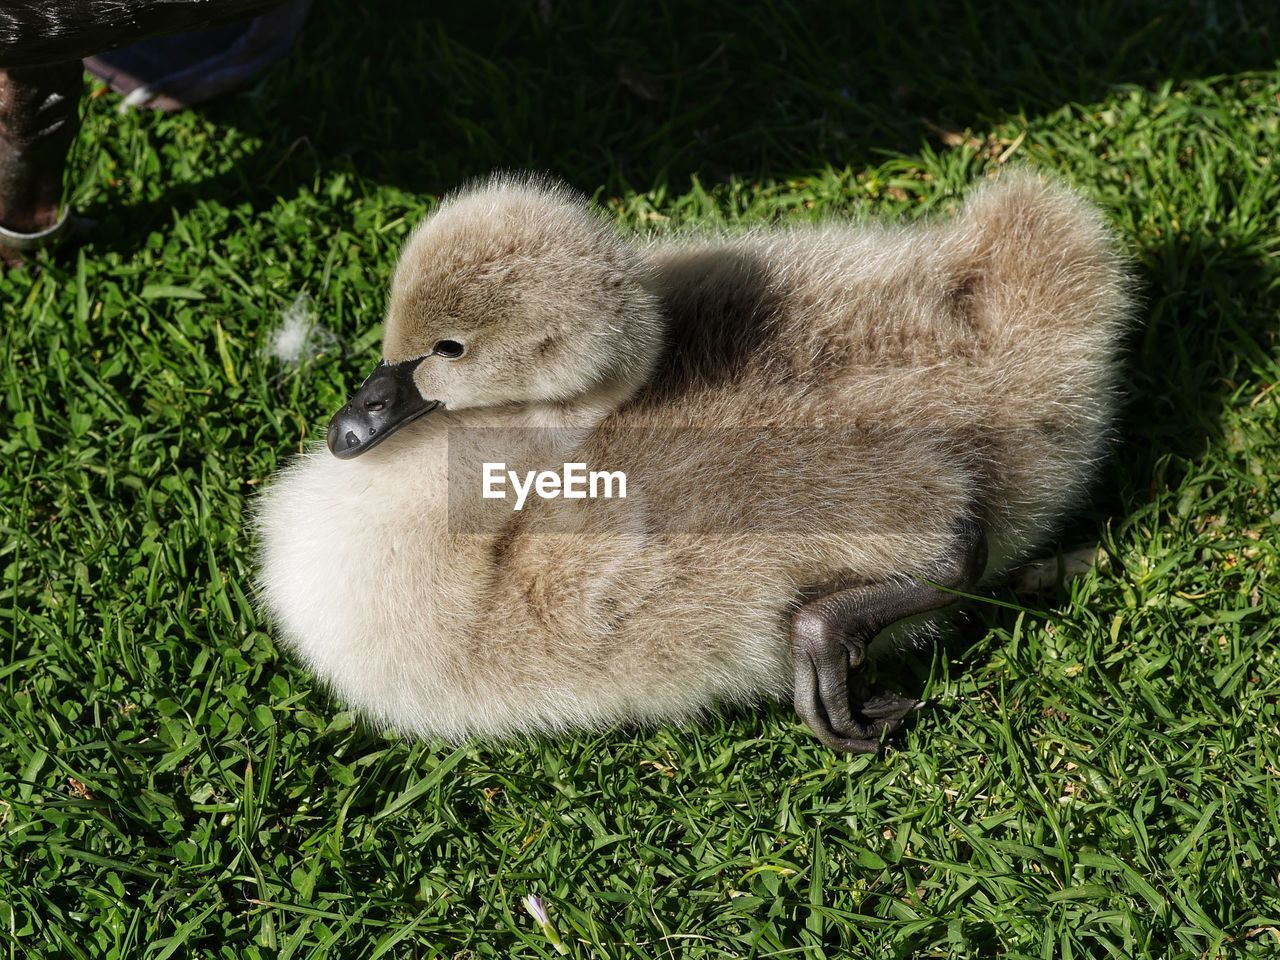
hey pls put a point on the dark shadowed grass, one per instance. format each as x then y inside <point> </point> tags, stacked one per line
<point>1101,780</point>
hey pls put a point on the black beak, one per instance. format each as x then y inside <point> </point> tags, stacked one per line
<point>385,402</point>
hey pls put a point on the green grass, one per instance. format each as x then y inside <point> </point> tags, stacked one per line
<point>1100,781</point>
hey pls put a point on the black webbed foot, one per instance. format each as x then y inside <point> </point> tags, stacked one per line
<point>834,699</point>
<point>882,704</point>
<point>829,637</point>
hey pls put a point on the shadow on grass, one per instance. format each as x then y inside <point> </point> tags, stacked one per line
<point>651,96</point>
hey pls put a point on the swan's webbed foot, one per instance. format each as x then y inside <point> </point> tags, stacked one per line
<point>829,638</point>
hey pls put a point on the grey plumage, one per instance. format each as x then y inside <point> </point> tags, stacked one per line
<point>883,382</point>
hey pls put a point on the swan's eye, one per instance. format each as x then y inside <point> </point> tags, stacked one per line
<point>449,349</point>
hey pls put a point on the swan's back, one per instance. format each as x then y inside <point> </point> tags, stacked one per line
<point>994,334</point>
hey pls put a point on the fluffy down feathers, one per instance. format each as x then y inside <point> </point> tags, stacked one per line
<point>797,410</point>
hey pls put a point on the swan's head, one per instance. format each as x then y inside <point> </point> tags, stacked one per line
<point>513,292</point>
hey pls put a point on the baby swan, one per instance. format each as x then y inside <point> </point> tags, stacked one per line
<point>825,431</point>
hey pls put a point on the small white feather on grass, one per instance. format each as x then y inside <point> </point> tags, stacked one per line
<point>298,337</point>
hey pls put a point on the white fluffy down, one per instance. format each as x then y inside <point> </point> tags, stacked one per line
<point>406,622</point>
<point>299,336</point>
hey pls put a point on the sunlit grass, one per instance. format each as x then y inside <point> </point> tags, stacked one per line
<point>1100,781</point>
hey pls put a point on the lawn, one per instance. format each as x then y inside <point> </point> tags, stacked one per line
<point>1097,774</point>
